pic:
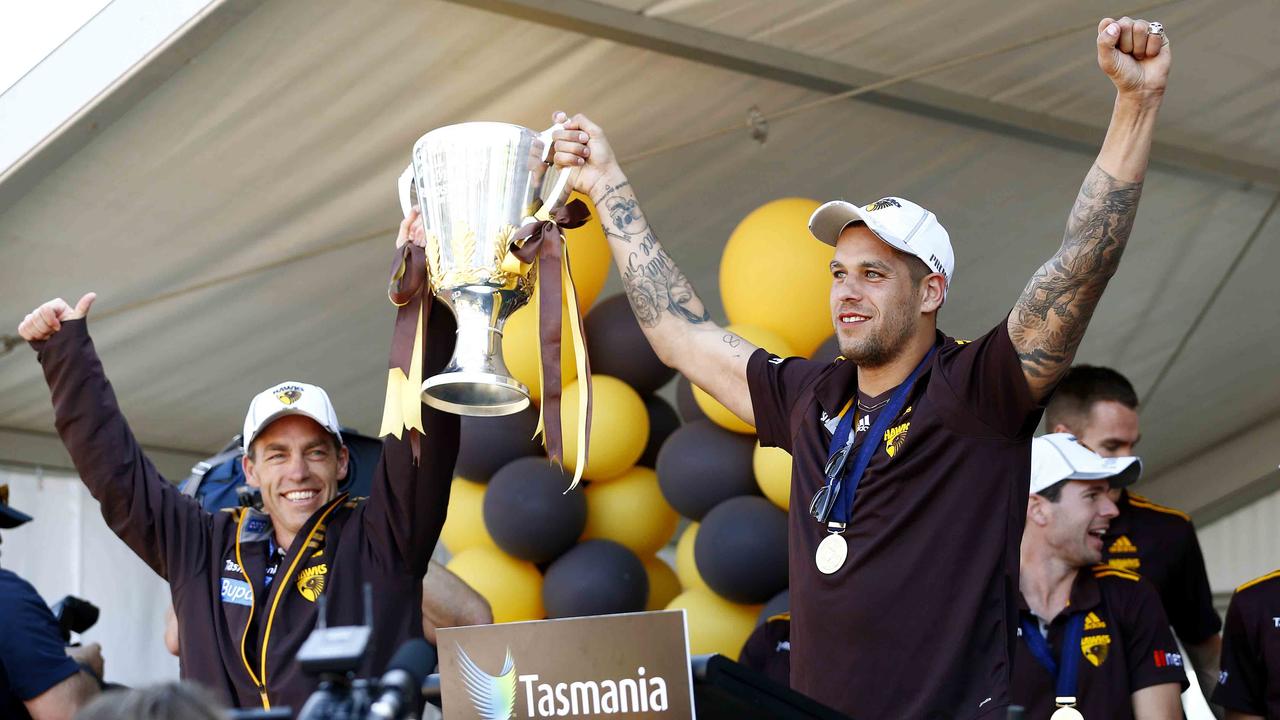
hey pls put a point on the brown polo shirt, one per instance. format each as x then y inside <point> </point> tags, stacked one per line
<point>1126,647</point>
<point>1250,677</point>
<point>1159,543</point>
<point>919,621</point>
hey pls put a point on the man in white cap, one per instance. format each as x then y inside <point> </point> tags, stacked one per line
<point>245,583</point>
<point>1092,637</point>
<point>904,604</point>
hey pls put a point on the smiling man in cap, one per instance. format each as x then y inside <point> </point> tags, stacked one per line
<point>933,433</point>
<point>244,582</point>
<point>1092,637</point>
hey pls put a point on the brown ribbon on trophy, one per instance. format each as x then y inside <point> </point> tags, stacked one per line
<point>409,292</point>
<point>542,241</point>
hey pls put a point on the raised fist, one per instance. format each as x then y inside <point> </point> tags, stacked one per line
<point>1135,55</point>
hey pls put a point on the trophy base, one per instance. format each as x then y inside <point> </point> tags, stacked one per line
<point>478,394</point>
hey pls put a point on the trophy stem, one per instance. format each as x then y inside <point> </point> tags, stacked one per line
<point>476,380</point>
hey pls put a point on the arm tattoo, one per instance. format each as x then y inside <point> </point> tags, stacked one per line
<point>626,216</point>
<point>653,283</point>
<point>1050,318</point>
<point>734,342</point>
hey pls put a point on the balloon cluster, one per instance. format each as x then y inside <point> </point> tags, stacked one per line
<point>535,551</point>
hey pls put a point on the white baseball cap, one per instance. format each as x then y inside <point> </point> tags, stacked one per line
<point>1059,456</point>
<point>902,224</point>
<point>289,398</point>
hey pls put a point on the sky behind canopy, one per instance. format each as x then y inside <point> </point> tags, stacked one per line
<point>30,30</point>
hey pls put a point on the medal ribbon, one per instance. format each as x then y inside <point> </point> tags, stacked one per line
<point>542,242</point>
<point>838,494</point>
<point>1064,676</point>
<point>410,292</point>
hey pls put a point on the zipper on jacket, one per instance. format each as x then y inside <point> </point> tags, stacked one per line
<point>281,582</point>
<point>253,604</point>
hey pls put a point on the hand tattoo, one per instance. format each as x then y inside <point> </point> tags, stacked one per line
<point>1050,318</point>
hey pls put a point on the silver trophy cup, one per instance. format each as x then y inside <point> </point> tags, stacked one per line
<point>477,183</point>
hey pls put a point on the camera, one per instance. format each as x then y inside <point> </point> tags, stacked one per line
<point>334,654</point>
<point>74,615</point>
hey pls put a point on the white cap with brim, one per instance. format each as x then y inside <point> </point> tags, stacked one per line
<point>289,398</point>
<point>1059,456</point>
<point>900,223</point>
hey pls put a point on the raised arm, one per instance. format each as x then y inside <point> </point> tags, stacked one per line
<point>168,530</point>
<point>1049,320</point>
<point>407,498</point>
<point>673,317</point>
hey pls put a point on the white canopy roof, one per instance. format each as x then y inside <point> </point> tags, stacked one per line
<point>261,172</point>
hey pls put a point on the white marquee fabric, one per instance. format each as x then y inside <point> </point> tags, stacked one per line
<point>69,550</point>
<point>284,136</point>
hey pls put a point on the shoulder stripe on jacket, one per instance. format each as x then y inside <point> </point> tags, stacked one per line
<point>1139,501</point>
<point>1112,571</point>
<point>1255,581</point>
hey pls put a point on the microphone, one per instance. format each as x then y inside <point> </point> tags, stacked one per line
<point>402,683</point>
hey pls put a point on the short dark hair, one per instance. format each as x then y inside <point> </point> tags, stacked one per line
<point>1053,493</point>
<point>1080,388</point>
<point>917,269</point>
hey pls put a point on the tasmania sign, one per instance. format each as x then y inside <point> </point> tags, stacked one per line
<point>624,666</point>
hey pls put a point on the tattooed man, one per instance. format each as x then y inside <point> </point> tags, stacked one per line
<point>904,603</point>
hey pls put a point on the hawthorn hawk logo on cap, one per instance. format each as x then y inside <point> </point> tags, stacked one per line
<point>289,398</point>
<point>900,223</point>
<point>289,394</point>
<point>883,203</point>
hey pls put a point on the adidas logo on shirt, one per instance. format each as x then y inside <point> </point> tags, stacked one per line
<point>1123,545</point>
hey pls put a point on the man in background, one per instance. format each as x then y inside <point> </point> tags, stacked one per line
<point>1249,684</point>
<point>1090,635</point>
<point>1099,406</point>
<point>40,677</point>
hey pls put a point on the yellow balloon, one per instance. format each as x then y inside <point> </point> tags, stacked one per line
<point>521,348</point>
<point>686,567</point>
<point>715,624</point>
<point>512,587</point>
<point>719,414</point>
<point>619,427</point>
<point>772,250</point>
<point>464,525</point>
<point>773,474</point>
<point>664,586</point>
<point>631,511</point>
<point>589,256</point>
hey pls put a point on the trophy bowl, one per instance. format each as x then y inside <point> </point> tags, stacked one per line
<point>476,184</point>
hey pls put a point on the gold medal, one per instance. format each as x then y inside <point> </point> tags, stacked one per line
<point>1066,709</point>
<point>831,554</point>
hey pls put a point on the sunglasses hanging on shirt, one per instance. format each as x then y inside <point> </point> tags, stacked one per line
<point>833,503</point>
